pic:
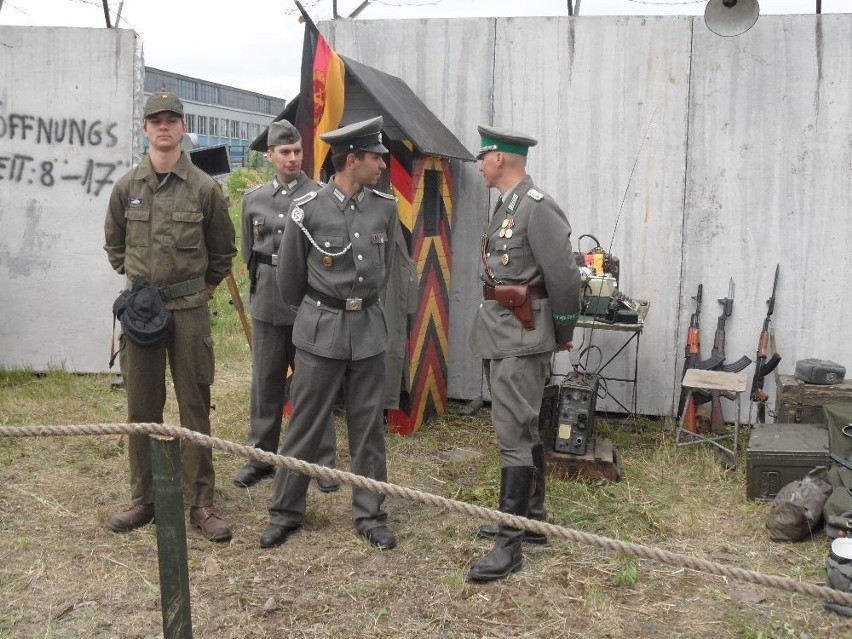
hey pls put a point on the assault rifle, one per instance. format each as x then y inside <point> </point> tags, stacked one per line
<point>717,358</point>
<point>691,355</point>
<point>762,368</point>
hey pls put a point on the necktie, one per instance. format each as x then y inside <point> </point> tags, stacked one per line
<point>497,205</point>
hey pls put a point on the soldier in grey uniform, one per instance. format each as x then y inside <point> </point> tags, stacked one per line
<point>334,259</point>
<point>168,222</point>
<point>531,290</point>
<point>264,214</point>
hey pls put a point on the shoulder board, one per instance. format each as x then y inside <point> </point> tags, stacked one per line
<point>536,195</point>
<point>252,189</point>
<point>387,196</point>
<point>307,197</point>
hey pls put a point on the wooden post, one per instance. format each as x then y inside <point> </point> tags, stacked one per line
<point>171,537</point>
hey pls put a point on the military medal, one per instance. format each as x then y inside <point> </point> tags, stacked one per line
<point>508,232</point>
<point>502,233</point>
<point>504,259</point>
<point>327,261</point>
<point>504,223</point>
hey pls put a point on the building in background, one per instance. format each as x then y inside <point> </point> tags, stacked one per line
<point>216,113</point>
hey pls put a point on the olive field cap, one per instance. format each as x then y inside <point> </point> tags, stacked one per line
<point>282,132</point>
<point>505,140</point>
<point>359,136</point>
<point>163,101</point>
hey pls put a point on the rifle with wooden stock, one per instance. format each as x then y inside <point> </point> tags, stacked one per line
<point>717,359</point>
<point>762,367</point>
<point>692,351</point>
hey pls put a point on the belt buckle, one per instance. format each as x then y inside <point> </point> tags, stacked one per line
<point>275,259</point>
<point>353,303</point>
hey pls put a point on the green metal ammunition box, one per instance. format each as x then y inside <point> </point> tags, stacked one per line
<point>778,454</point>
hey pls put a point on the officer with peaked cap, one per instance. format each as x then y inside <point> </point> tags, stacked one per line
<point>264,215</point>
<point>531,291</point>
<point>334,259</point>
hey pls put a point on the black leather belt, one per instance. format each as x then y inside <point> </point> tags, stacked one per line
<point>348,304</point>
<point>272,260</point>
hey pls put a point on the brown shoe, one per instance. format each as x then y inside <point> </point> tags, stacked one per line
<point>212,526</point>
<point>133,517</point>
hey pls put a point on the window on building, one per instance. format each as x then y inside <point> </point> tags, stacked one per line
<point>235,129</point>
<point>214,126</point>
<point>186,89</point>
<point>202,125</point>
<point>189,118</point>
<point>263,105</point>
<point>432,202</point>
<point>208,93</point>
<point>244,130</point>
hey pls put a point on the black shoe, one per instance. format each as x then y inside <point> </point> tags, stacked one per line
<point>381,537</point>
<point>489,531</point>
<point>275,535</point>
<point>504,559</point>
<point>328,485</point>
<point>250,475</point>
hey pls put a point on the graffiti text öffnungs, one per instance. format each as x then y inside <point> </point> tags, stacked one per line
<point>70,131</point>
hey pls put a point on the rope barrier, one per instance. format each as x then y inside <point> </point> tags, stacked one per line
<point>394,490</point>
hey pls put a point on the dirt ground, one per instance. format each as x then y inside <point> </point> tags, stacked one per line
<point>65,575</point>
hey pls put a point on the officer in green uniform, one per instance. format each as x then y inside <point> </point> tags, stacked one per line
<point>168,222</point>
<point>334,260</point>
<point>264,214</point>
<point>531,290</point>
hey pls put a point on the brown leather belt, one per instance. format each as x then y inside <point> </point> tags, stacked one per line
<point>536,292</point>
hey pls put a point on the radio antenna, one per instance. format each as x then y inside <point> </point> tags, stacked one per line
<point>629,179</point>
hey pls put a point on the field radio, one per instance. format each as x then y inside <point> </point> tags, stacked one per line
<point>567,416</point>
<point>602,298</point>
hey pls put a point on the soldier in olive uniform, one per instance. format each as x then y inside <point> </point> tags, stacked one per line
<point>334,259</point>
<point>531,290</point>
<point>168,222</point>
<point>264,215</point>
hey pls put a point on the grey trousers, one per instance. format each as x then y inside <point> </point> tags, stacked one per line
<point>191,360</point>
<point>517,386</point>
<point>272,353</point>
<point>316,385</point>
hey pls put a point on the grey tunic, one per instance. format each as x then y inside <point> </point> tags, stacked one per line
<point>348,255</point>
<point>517,361</point>
<point>264,216</point>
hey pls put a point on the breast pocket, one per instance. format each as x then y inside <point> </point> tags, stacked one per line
<point>188,229</point>
<point>138,227</point>
<point>510,256</point>
<point>379,242</point>
<point>330,256</point>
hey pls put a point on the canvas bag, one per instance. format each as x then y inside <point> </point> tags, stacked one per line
<point>797,508</point>
<point>839,420</point>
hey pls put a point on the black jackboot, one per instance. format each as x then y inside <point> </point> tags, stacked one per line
<point>537,510</point>
<point>506,556</point>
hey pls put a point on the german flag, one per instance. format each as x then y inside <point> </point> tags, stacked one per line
<point>321,96</point>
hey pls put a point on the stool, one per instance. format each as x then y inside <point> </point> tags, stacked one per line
<point>701,380</point>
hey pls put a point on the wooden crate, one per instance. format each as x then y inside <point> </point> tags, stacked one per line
<point>601,461</point>
<point>797,402</point>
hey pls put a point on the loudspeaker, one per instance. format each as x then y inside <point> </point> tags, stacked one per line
<point>731,17</point>
<point>213,160</point>
<point>577,403</point>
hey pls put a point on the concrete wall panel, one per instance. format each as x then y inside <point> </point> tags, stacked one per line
<point>605,95</point>
<point>769,182</point>
<point>68,128</point>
